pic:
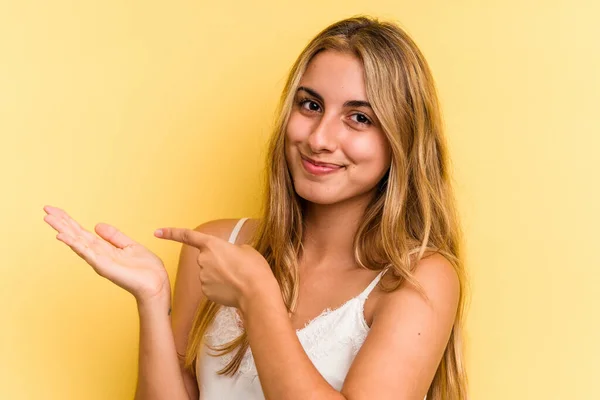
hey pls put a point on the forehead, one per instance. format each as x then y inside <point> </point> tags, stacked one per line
<point>336,76</point>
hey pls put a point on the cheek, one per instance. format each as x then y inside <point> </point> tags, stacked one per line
<point>294,135</point>
<point>370,149</point>
<point>298,128</point>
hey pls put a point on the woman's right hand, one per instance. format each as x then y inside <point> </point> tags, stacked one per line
<point>114,256</point>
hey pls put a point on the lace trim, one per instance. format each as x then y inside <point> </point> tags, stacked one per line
<point>315,337</point>
<point>223,331</point>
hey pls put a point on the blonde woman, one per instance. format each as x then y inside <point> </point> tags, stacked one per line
<point>350,285</point>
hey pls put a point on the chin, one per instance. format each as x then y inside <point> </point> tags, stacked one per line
<point>322,193</point>
<point>323,199</point>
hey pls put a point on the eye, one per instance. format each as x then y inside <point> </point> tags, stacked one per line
<point>361,119</point>
<point>309,105</point>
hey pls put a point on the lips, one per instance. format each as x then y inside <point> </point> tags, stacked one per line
<point>320,164</point>
<point>319,168</point>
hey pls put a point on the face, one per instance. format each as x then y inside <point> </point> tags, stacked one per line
<point>335,148</point>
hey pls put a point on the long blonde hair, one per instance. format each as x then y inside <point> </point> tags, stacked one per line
<point>413,210</point>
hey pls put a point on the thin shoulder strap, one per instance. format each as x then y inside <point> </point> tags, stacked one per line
<point>236,230</point>
<point>372,285</point>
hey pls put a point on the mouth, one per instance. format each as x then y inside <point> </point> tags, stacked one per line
<point>319,168</point>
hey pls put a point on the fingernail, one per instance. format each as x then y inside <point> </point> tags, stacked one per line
<point>158,233</point>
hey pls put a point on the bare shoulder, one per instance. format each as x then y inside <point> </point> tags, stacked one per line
<point>438,298</point>
<point>438,277</point>
<point>222,228</point>
<point>440,283</point>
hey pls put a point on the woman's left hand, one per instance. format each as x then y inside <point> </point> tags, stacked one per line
<point>229,274</point>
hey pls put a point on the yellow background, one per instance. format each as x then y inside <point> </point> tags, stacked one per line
<point>145,114</point>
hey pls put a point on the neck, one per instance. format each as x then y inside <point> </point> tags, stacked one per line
<point>329,232</point>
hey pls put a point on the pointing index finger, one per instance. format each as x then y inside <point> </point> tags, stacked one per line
<point>183,235</point>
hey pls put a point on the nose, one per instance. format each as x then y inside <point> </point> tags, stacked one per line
<point>324,137</point>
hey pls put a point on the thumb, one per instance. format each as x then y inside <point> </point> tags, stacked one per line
<point>113,236</point>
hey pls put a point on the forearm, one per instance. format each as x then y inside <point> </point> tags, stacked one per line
<point>159,376</point>
<point>284,369</point>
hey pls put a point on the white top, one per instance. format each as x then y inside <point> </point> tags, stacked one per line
<point>330,340</point>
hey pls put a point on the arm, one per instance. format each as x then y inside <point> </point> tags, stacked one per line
<point>408,335</point>
<point>284,369</point>
<point>159,376</point>
<point>164,337</point>
<point>153,381</point>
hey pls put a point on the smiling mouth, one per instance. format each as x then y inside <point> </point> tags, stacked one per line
<point>319,168</point>
<point>320,164</point>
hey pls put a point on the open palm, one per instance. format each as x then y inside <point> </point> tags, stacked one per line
<point>113,255</point>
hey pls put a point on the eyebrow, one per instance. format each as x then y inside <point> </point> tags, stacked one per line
<point>349,103</point>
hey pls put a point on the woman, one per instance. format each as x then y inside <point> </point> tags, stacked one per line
<point>359,221</point>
